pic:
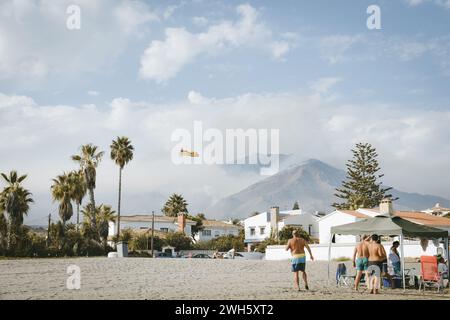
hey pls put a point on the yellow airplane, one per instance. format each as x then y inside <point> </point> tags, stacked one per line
<point>187,153</point>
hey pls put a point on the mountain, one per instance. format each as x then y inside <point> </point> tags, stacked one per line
<point>312,183</point>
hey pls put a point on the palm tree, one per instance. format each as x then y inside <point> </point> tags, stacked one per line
<point>62,192</point>
<point>89,158</point>
<point>15,202</point>
<point>78,190</point>
<point>175,205</point>
<point>121,153</point>
<point>103,215</point>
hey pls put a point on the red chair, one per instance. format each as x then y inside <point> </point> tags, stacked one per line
<point>429,273</point>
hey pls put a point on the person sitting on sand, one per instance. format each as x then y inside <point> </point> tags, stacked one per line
<point>297,245</point>
<point>361,259</point>
<point>377,255</point>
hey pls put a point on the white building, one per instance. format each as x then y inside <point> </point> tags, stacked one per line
<point>213,229</point>
<point>260,226</point>
<point>437,210</point>
<point>340,217</point>
<point>144,222</point>
<point>344,245</point>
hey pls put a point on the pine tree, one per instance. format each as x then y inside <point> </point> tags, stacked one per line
<point>296,206</point>
<point>362,188</point>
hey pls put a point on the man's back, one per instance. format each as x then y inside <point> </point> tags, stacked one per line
<point>362,250</point>
<point>297,245</point>
<point>375,252</point>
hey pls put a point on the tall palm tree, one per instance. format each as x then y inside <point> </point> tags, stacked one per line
<point>89,158</point>
<point>15,201</point>
<point>175,205</point>
<point>78,190</point>
<point>121,153</point>
<point>62,192</point>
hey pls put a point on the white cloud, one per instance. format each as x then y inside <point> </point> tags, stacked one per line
<point>349,48</point>
<point>170,11</point>
<point>442,3</point>
<point>334,48</point>
<point>162,60</point>
<point>402,135</point>
<point>200,21</point>
<point>107,26</point>
<point>132,14</point>
<point>323,85</point>
<point>197,98</point>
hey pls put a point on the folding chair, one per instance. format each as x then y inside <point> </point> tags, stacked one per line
<point>345,280</point>
<point>430,276</point>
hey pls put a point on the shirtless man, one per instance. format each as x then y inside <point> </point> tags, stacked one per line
<point>361,259</point>
<point>377,255</point>
<point>297,246</point>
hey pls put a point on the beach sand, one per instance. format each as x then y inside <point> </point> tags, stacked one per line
<point>143,278</point>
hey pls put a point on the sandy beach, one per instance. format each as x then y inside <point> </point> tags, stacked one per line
<point>143,278</point>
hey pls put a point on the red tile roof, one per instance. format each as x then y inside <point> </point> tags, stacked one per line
<point>423,218</point>
<point>354,213</point>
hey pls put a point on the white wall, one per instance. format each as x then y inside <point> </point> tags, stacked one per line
<point>335,218</point>
<point>146,225</point>
<point>257,221</point>
<point>320,251</point>
<point>216,232</point>
<point>304,220</point>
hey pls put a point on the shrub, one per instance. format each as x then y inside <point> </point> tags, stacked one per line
<point>179,241</point>
<point>261,247</point>
<point>126,235</point>
<point>286,233</point>
<point>203,245</point>
<point>342,259</point>
<point>225,243</point>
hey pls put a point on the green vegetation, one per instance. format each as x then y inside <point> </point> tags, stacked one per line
<point>121,154</point>
<point>342,259</point>
<point>175,205</point>
<point>223,243</point>
<point>361,188</point>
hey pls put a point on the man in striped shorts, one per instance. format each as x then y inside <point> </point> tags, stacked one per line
<point>297,246</point>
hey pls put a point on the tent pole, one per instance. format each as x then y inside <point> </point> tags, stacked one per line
<point>403,261</point>
<point>329,257</point>
<point>448,260</point>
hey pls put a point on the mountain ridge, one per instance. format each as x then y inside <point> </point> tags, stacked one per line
<point>312,183</point>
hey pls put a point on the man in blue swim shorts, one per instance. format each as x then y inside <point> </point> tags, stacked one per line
<point>361,259</point>
<point>297,246</point>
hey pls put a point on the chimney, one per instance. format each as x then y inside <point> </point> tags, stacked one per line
<point>274,214</point>
<point>181,222</point>
<point>386,208</point>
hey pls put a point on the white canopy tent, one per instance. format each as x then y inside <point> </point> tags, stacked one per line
<point>390,226</point>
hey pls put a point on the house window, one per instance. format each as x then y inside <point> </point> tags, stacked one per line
<point>206,233</point>
<point>164,229</point>
<point>262,230</point>
<point>252,231</point>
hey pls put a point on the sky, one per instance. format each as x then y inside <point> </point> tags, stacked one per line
<point>312,69</point>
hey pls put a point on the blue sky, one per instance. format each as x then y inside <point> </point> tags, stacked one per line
<point>145,68</point>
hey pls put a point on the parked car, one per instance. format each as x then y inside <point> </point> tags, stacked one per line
<point>163,255</point>
<point>201,256</point>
